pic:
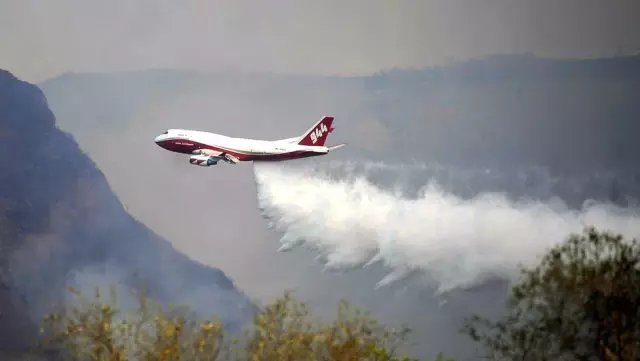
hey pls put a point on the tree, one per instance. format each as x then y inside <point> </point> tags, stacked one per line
<point>283,330</point>
<point>581,302</point>
<point>93,331</point>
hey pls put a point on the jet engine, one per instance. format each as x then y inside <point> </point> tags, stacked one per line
<point>202,160</point>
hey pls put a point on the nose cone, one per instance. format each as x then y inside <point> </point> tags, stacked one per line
<point>159,138</point>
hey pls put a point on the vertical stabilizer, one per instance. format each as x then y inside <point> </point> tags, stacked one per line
<point>317,135</point>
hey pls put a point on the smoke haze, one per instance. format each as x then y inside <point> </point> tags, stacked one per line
<point>492,118</point>
<point>459,227</point>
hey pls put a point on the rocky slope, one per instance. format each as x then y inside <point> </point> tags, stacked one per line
<point>60,225</point>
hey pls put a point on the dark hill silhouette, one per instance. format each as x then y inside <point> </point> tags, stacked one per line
<point>61,224</point>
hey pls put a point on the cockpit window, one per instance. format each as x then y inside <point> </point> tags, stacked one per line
<point>166,132</point>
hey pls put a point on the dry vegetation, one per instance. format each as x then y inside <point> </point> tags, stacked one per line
<point>284,330</point>
<point>582,302</point>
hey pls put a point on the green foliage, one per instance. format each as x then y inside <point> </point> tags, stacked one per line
<point>283,330</point>
<point>580,303</point>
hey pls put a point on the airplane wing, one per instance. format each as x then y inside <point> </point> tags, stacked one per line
<point>215,156</point>
<point>209,152</point>
<point>229,158</point>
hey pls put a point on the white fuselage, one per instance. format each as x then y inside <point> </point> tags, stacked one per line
<point>250,146</point>
<point>212,144</point>
<point>208,148</point>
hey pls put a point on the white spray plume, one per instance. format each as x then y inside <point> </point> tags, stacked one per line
<point>457,243</point>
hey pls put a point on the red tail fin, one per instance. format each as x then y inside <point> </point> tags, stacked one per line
<point>317,135</point>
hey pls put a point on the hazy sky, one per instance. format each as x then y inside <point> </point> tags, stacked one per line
<point>41,38</point>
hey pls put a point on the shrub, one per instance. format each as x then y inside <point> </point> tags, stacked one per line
<point>582,302</point>
<point>283,330</point>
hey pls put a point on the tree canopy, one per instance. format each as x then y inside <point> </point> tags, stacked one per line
<point>283,330</point>
<point>580,302</point>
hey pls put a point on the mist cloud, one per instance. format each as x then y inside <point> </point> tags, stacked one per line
<point>456,242</point>
<point>39,39</point>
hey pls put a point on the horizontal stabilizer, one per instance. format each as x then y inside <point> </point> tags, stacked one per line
<point>334,147</point>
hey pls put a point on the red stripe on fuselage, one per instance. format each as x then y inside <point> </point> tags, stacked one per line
<point>188,146</point>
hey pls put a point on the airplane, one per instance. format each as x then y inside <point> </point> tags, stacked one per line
<point>208,149</point>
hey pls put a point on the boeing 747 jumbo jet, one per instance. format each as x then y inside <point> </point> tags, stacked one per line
<point>207,149</point>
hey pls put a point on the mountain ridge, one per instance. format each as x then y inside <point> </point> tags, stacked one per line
<point>499,109</point>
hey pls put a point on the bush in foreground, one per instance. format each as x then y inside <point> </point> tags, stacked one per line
<point>284,330</point>
<point>582,302</point>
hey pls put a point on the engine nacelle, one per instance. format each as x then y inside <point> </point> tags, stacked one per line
<point>202,160</point>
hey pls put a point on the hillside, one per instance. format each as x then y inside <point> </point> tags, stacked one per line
<point>62,225</point>
<point>551,118</point>
<point>572,116</point>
